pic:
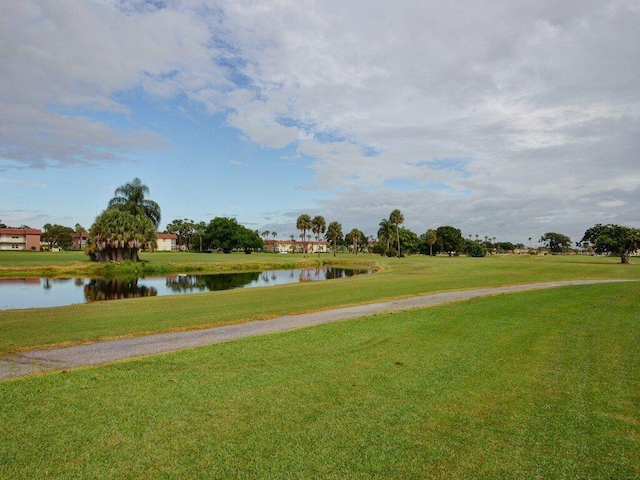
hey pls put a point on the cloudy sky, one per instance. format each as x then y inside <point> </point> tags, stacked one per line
<point>505,118</point>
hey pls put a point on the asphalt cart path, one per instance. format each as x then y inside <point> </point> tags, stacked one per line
<point>58,359</point>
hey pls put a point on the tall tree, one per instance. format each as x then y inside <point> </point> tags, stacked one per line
<point>199,229</point>
<point>385,233</point>
<point>334,234</point>
<point>396,218</point>
<point>613,239</point>
<point>130,197</point>
<point>556,242</point>
<point>227,234</point>
<point>430,238</point>
<point>409,241</point>
<point>319,227</point>
<point>184,229</point>
<point>449,239</point>
<point>304,223</point>
<point>57,236</point>
<point>117,235</point>
<point>265,236</point>
<point>354,237</point>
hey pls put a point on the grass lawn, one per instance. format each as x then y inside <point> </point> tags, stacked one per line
<point>75,263</point>
<point>542,384</point>
<point>10,259</point>
<point>21,329</point>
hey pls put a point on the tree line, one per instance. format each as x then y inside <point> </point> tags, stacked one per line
<point>130,222</point>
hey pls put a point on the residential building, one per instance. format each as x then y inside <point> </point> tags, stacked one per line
<point>20,239</point>
<point>293,246</point>
<point>79,240</point>
<point>167,242</point>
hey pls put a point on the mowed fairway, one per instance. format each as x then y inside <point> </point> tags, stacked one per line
<point>531,385</point>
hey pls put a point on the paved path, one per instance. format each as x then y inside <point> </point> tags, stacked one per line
<point>37,361</point>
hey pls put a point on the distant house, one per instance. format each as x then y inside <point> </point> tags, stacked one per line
<point>292,246</point>
<point>20,239</point>
<point>79,240</point>
<point>167,242</point>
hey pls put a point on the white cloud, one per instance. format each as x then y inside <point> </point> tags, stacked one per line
<point>61,58</point>
<point>612,204</point>
<point>533,105</point>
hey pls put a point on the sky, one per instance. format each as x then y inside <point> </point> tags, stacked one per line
<point>505,119</point>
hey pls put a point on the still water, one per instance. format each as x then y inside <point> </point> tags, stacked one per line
<point>55,292</point>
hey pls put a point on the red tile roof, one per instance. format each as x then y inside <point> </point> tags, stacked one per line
<point>20,231</point>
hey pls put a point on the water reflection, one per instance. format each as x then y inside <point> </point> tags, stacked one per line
<point>99,289</point>
<point>46,292</point>
<point>227,281</point>
<point>210,283</point>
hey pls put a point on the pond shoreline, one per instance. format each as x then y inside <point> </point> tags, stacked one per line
<point>130,269</point>
<point>42,292</point>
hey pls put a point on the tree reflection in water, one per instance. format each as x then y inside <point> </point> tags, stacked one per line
<point>334,272</point>
<point>54,292</point>
<point>226,281</point>
<point>211,283</point>
<point>100,289</point>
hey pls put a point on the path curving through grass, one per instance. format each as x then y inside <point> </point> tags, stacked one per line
<point>57,359</point>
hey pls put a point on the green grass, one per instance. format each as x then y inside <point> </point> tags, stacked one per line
<point>21,329</point>
<point>75,263</point>
<point>542,384</point>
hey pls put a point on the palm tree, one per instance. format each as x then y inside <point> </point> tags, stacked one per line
<point>430,238</point>
<point>265,235</point>
<point>354,236</point>
<point>334,233</point>
<point>130,198</point>
<point>319,227</point>
<point>199,229</point>
<point>304,223</point>
<point>304,246</point>
<point>117,235</point>
<point>274,234</point>
<point>396,218</point>
<point>385,233</point>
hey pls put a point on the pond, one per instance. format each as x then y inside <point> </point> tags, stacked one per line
<point>55,292</point>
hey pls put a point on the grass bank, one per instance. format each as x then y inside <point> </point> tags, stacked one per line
<point>20,329</point>
<point>535,385</point>
<point>75,263</point>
